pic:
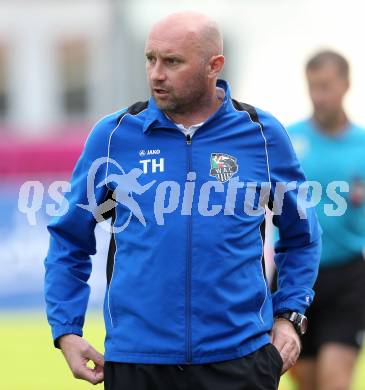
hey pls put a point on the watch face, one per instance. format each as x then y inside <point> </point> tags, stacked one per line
<point>303,325</point>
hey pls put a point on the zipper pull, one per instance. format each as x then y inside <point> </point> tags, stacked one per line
<point>188,139</point>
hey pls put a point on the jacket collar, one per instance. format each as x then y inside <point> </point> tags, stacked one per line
<point>157,119</point>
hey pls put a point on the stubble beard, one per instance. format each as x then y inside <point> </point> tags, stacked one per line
<point>194,96</point>
<point>329,119</point>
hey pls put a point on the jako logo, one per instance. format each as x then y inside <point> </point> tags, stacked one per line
<point>143,152</point>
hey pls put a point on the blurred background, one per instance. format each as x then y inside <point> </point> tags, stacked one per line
<point>64,64</point>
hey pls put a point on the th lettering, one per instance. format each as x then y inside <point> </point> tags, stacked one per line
<point>153,165</point>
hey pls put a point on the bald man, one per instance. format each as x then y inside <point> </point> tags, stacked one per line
<point>187,304</point>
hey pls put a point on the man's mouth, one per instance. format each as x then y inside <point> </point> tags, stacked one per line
<point>160,92</point>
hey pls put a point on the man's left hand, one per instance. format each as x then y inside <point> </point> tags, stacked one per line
<point>286,340</point>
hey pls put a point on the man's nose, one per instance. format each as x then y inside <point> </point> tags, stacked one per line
<point>318,97</point>
<point>157,72</point>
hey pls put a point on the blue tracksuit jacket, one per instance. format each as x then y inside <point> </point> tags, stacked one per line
<point>185,282</point>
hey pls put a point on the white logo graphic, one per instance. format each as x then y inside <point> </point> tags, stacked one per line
<point>153,151</point>
<point>212,197</point>
<point>126,184</point>
<point>143,152</point>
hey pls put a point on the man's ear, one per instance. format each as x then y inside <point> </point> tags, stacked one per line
<point>216,64</point>
<point>347,85</point>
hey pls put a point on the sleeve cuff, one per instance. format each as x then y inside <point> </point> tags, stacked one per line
<point>58,331</point>
<point>289,305</point>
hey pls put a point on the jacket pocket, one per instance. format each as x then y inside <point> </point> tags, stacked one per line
<point>264,294</point>
<point>110,307</point>
<point>110,277</point>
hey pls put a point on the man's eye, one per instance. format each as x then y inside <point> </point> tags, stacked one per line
<point>172,61</point>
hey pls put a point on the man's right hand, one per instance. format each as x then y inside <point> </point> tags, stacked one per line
<point>78,352</point>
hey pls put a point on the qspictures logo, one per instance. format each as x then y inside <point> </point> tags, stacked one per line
<point>170,196</point>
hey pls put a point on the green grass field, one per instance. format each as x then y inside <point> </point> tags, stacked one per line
<point>30,362</point>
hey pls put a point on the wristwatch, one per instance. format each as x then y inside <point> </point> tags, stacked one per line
<point>299,321</point>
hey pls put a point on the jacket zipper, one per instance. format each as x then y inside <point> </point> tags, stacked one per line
<point>188,268</point>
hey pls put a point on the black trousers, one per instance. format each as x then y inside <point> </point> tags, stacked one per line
<point>260,370</point>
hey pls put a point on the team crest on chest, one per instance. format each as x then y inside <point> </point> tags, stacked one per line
<point>222,166</point>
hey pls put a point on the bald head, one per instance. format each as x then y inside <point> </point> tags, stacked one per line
<point>183,61</point>
<point>191,28</point>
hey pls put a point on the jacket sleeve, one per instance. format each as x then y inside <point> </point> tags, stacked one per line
<point>72,241</point>
<point>298,250</point>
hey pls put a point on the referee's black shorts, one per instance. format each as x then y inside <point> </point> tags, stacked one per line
<point>260,370</point>
<point>337,314</point>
